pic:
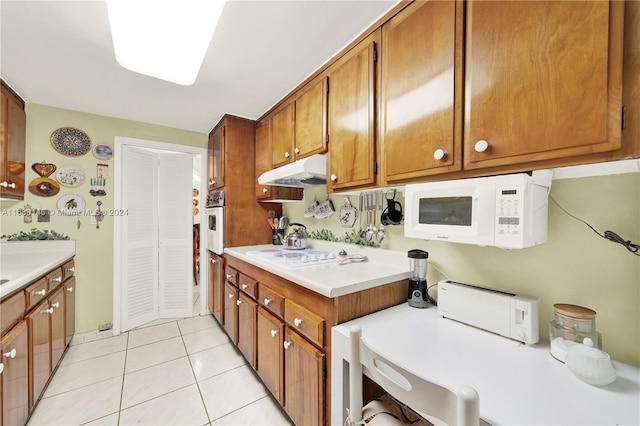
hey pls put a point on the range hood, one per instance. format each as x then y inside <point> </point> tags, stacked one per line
<point>309,171</point>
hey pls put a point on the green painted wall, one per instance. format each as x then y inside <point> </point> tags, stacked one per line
<point>575,265</point>
<point>94,247</point>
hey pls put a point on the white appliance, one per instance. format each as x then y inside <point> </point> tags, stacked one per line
<point>309,171</point>
<point>215,222</point>
<point>508,211</point>
<point>514,316</point>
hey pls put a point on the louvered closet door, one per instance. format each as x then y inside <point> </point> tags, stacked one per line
<point>140,238</point>
<point>176,235</point>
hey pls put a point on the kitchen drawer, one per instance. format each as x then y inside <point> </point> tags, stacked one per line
<point>271,300</point>
<point>68,269</point>
<point>304,321</point>
<point>248,285</point>
<point>36,292</point>
<point>231,275</point>
<point>11,311</point>
<point>54,278</point>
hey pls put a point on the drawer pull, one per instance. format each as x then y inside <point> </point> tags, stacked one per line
<point>273,333</point>
<point>57,280</point>
<point>267,301</point>
<point>11,354</point>
<point>229,276</point>
<point>48,311</point>
<point>1,367</point>
<point>286,344</point>
<point>245,286</point>
<point>6,184</point>
<point>212,260</point>
<point>230,295</point>
<point>72,269</point>
<point>264,190</point>
<point>70,289</point>
<point>238,302</point>
<point>39,292</point>
<point>55,305</point>
<point>297,322</point>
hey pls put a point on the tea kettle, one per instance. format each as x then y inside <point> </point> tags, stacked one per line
<point>297,240</point>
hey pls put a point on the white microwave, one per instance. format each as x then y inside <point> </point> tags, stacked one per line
<point>507,211</point>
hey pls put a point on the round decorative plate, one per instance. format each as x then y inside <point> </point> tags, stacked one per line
<point>71,204</point>
<point>44,187</point>
<point>70,176</point>
<point>103,152</point>
<point>70,141</point>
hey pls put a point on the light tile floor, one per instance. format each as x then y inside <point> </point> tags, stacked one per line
<point>169,372</point>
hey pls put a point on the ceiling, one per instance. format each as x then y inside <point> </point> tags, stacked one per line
<point>59,53</point>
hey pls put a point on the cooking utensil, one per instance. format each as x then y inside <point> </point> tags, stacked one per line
<point>296,240</point>
<point>284,221</point>
<point>381,232</point>
<point>276,223</point>
<point>357,257</point>
<point>362,232</point>
<point>371,229</point>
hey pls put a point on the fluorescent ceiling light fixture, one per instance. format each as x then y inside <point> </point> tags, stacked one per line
<point>166,39</point>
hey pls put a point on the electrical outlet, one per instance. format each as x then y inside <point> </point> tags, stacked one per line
<point>105,326</point>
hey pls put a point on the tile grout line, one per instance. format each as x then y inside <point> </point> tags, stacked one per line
<point>195,378</point>
<point>124,369</point>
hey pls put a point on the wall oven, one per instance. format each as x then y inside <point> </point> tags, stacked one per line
<point>215,222</point>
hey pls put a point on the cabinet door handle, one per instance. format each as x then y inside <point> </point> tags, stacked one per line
<point>333,177</point>
<point>6,184</point>
<point>273,333</point>
<point>481,145</point>
<point>70,289</point>
<point>229,276</point>
<point>287,155</point>
<point>438,154</point>
<point>267,301</point>
<point>238,302</point>
<point>40,292</point>
<point>264,190</point>
<point>245,286</point>
<point>11,354</point>
<point>286,344</point>
<point>297,322</point>
<point>48,311</point>
<point>212,260</point>
<point>297,150</point>
<point>55,305</point>
<point>57,280</point>
<point>230,295</point>
<point>1,367</point>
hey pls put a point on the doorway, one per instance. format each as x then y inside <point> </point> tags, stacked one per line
<point>153,241</point>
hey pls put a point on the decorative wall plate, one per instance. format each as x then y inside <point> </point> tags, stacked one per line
<point>71,204</point>
<point>103,152</point>
<point>70,141</point>
<point>44,187</point>
<point>43,169</point>
<point>70,176</point>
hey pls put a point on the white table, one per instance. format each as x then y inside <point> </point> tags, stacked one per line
<point>518,384</point>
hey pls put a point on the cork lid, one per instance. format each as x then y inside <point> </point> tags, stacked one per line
<point>574,311</point>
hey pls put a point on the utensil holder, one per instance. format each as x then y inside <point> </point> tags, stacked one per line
<point>278,236</point>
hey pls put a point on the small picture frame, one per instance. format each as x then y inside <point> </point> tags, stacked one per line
<point>102,171</point>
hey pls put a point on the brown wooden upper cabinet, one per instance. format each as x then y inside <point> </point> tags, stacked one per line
<point>421,95</point>
<point>310,129</point>
<point>543,80</point>
<point>216,154</point>
<point>351,117</point>
<point>282,136</point>
<point>12,144</point>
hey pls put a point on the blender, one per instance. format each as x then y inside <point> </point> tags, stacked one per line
<point>417,294</point>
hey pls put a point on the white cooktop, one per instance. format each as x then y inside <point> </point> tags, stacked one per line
<point>295,258</point>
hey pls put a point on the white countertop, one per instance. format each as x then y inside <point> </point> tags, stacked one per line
<point>517,384</point>
<point>333,280</point>
<point>24,261</point>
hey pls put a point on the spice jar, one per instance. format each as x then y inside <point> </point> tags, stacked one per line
<point>571,325</point>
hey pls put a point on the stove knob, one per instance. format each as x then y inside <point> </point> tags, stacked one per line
<point>331,256</point>
<point>313,258</point>
<point>304,259</point>
<point>322,256</point>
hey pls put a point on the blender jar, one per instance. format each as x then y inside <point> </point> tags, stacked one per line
<point>571,325</point>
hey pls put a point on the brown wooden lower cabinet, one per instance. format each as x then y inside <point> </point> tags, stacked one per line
<point>70,309</point>
<point>230,311</point>
<point>14,378</point>
<point>270,339</point>
<point>247,311</point>
<point>304,380</point>
<point>291,334</point>
<point>58,330</point>
<point>216,285</point>
<point>39,350</point>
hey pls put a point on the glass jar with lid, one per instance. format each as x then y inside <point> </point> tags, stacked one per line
<point>571,325</point>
